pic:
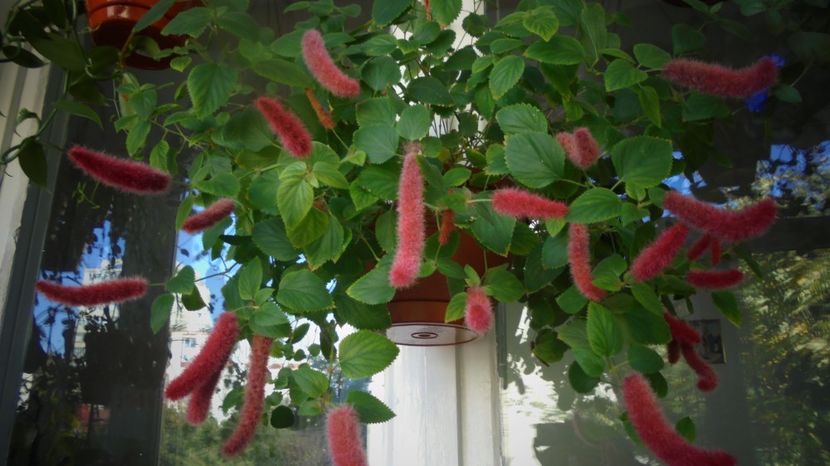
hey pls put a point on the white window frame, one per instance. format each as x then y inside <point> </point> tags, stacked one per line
<point>19,88</point>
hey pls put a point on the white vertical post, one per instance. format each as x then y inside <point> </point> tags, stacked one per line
<point>420,387</point>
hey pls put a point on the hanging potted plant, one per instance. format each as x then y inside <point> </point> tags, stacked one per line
<point>116,23</point>
<point>356,164</point>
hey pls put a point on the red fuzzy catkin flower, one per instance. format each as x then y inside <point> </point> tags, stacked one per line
<point>126,175</point>
<point>198,405</point>
<point>323,116</point>
<point>410,228</point>
<point>707,379</point>
<point>568,143</point>
<point>720,80</point>
<point>478,313</point>
<point>209,217</point>
<point>321,65</point>
<point>288,127</point>
<point>658,435</point>
<point>579,258</point>
<point>656,257</point>
<point>343,432</point>
<point>681,331</point>
<point>447,226</point>
<point>714,279</point>
<point>588,149</point>
<point>673,351</point>
<point>254,397</point>
<point>715,252</point>
<point>727,225</point>
<point>211,359</point>
<point>112,291</point>
<point>518,203</point>
<point>699,247</point>
<point>580,147</point>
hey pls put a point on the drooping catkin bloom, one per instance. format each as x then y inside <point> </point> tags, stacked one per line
<point>112,291</point>
<point>478,313</point>
<point>428,10</point>
<point>210,360</point>
<point>568,143</point>
<point>707,379</point>
<point>323,116</point>
<point>447,226</point>
<point>209,217</point>
<point>198,405</point>
<point>658,256</point>
<point>728,225</point>
<point>673,351</point>
<point>288,127</point>
<point>343,432</point>
<point>580,147</point>
<point>699,247</point>
<point>410,228</point>
<point>579,258</point>
<point>755,103</point>
<point>588,148</point>
<point>714,279</point>
<point>518,203</point>
<point>715,252</point>
<point>658,435</point>
<point>720,80</point>
<point>321,65</point>
<point>681,331</point>
<point>254,397</point>
<point>126,175</point>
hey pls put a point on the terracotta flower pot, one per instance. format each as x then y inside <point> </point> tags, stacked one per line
<point>418,312</point>
<point>112,20</point>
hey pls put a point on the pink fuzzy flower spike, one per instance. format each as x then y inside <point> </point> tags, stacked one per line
<point>447,227</point>
<point>126,175</point>
<point>720,80</point>
<point>522,204</point>
<point>681,331</point>
<point>210,361</point>
<point>321,65</point>
<point>699,247</point>
<point>588,148</point>
<point>292,132</point>
<point>707,379</point>
<point>208,217</point>
<point>113,291</point>
<point>728,225</point>
<point>410,229</point>
<point>199,404</point>
<point>479,312</point>
<point>658,256</point>
<point>579,257</point>
<point>580,147</point>
<point>673,351</point>
<point>345,444</point>
<point>254,397</point>
<point>568,143</point>
<point>658,435</point>
<point>715,252</point>
<point>714,279</point>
